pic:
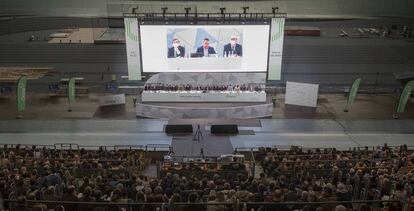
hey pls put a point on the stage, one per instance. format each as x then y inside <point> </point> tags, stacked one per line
<point>209,105</point>
<point>212,145</point>
<point>204,96</point>
<point>205,110</point>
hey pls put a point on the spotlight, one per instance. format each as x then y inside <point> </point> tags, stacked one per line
<point>187,10</point>
<point>275,10</point>
<point>222,9</point>
<point>134,10</point>
<point>164,10</point>
<point>245,9</point>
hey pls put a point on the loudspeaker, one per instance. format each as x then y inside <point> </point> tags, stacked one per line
<point>224,129</point>
<point>171,129</point>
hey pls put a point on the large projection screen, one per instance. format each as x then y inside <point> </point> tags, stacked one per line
<point>204,48</point>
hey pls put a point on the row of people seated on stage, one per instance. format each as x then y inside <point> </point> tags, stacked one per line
<point>232,49</point>
<point>204,88</point>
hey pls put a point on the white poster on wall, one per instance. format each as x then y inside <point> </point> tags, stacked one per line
<point>276,48</point>
<point>108,100</point>
<point>132,47</point>
<point>302,94</point>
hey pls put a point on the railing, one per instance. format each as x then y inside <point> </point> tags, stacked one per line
<point>236,205</point>
<point>166,147</point>
<point>157,147</point>
<point>286,148</point>
<point>72,146</point>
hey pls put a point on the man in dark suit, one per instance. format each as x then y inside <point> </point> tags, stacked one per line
<point>176,50</point>
<point>205,49</point>
<point>233,48</point>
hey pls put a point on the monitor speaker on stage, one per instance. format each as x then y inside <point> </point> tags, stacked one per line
<point>224,129</point>
<point>178,129</point>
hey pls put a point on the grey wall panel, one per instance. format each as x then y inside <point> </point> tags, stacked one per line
<point>327,60</point>
<point>309,8</point>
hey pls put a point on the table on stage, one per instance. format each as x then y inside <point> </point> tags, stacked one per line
<point>201,96</point>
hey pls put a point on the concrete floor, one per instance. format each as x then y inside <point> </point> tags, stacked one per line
<point>340,134</point>
<point>330,106</point>
<point>369,122</point>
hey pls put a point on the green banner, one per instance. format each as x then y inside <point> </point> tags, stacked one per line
<point>71,90</point>
<point>277,30</point>
<point>354,90</point>
<point>132,48</point>
<point>21,93</point>
<point>405,95</point>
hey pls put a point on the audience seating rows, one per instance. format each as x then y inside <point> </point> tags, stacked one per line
<point>317,180</point>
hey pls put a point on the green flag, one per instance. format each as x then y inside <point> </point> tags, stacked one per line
<point>71,90</point>
<point>21,93</point>
<point>405,95</point>
<point>354,90</point>
<point>352,93</point>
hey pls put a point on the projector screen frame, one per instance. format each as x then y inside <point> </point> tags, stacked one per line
<point>266,23</point>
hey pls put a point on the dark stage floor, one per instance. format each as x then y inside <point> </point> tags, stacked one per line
<point>212,145</point>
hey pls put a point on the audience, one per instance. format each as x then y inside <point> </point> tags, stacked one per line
<point>289,176</point>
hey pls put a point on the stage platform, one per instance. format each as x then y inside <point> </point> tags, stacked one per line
<point>203,96</point>
<point>212,145</point>
<point>204,110</point>
<point>341,134</point>
<point>306,133</point>
<point>207,107</point>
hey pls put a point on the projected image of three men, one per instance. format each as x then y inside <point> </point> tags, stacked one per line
<point>204,48</point>
<point>204,42</point>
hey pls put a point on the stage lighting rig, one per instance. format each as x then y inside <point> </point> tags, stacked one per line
<point>190,16</point>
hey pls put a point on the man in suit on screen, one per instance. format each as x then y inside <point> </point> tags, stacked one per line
<point>205,50</point>
<point>233,48</point>
<point>176,50</point>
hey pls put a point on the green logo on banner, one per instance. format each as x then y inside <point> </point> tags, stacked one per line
<point>278,22</point>
<point>405,95</point>
<point>21,93</point>
<point>129,22</point>
<point>274,67</point>
<point>71,90</point>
